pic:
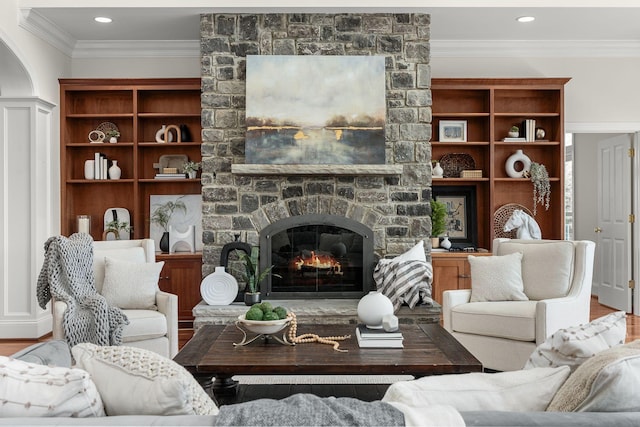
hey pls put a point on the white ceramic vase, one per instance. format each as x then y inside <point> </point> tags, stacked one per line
<point>89,169</point>
<point>114,171</point>
<point>445,243</point>
<point>160,135</point>
<point>372,308</point>
<point>437,171</point>
<point>515,158</point>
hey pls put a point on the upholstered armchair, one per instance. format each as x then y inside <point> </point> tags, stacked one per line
<point>154,327</point>
<point>502,334</point>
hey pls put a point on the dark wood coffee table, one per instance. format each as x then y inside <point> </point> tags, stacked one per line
<point>428,350</point>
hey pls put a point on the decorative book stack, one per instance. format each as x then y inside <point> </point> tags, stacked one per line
<point>378,338</point>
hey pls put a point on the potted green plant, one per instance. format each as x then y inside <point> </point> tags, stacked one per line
<point>191,168</point>
<point>253,276</point>
<point>161,216</point>
<point>514,132</point>
<point>113,135</point>
<point>114,227</point>
<point>438,218</point>
<point>541,185</point>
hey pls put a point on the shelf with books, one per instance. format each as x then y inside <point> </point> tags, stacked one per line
<point>490,107</point>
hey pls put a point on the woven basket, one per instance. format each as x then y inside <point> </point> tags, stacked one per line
<point>502,215</point>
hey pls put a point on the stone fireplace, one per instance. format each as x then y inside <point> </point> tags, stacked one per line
<point>305,211</point>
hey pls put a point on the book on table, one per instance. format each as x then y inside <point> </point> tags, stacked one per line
<point>373,338</point>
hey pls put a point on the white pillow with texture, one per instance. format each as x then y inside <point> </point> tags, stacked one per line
<point>572,346</point>
<point>416,253</point>
<point>131,285</point>
<point>518,391</point>
<point>608,382</point>
<point>497,278</point>
<point>134,381</point>
<point>135,254</point>
<point>34,390</point>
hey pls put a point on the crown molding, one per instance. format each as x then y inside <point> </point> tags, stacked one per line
<point>41,27</point>
<point>602,127</point>
<point>534,48</point>
<point>137,49</point>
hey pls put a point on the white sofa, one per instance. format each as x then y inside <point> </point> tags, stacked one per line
<point>557,276</point>
<point>155,330</point>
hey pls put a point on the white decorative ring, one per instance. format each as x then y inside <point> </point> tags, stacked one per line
<point>517,157</point>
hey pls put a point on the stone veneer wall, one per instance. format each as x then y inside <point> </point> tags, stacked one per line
<point>395,207</point>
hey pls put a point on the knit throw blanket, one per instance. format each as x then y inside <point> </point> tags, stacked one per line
<point>67,275</point>
<point>406,282</point>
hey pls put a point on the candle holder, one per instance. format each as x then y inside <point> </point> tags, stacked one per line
<point>83,224</point>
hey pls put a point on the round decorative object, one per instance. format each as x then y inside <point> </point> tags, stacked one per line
<point>114,171</point>
<point>105,127</point>
<point>502,215</point>
<point>160,135</point>
<point>454,163</point>
<point>113,140</point>
<point>372,308</point>
<point>446,243</point>
<point>540,133</point>
<point>219,287</point>
<point>264,326</point>
<point>513,160</point>
<point>437,171</point>
<point>96,136</point>
<point>513,134</point>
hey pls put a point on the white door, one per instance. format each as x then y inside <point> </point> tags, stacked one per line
<point>613,250</point>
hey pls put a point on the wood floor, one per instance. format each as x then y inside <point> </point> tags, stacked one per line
<point>8,347</point>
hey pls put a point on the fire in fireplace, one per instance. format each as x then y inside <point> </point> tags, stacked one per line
<point>317,256</point>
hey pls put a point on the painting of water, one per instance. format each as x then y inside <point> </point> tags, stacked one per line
<point>315,109</point>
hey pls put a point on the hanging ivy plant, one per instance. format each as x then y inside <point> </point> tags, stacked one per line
<point>541,186</point>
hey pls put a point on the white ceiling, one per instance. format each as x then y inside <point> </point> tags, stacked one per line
<point>588,28</point>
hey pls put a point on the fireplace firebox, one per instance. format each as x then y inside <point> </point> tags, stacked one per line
<point>317,256</point>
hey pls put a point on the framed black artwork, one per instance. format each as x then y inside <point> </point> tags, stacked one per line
<point>461,220</point>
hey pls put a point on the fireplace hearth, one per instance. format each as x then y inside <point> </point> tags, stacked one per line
<point>317,256</point>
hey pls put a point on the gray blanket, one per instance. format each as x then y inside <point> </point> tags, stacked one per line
<point>67,275</point>
<point>309,410</point>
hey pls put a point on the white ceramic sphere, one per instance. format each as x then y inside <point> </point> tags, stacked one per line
<point>373,307</point>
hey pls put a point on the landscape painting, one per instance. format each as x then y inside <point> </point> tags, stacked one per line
<point>307,109</point>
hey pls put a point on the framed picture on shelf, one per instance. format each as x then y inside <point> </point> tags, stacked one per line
<point>453,131</point>
<point>180,219</point>
<point>461,220</point>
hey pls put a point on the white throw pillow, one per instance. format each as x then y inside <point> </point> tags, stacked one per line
<point>608,382</point>
<point>134,381</point>
<point>416,253</point>
<point>34,390</point>
<point>131,285</point>
<point>518,391</point>
<point>497,278</point>
<point>572,346</point>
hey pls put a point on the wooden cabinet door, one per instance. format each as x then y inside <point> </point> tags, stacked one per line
<point>449,274</point>
<point>182,275</point>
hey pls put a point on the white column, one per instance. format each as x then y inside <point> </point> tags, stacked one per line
<point>28,211</point>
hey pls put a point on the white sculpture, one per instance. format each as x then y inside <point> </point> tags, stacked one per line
<point>527,227</point>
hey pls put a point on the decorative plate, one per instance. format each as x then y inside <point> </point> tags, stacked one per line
<point>106,127</point>
<point>219,288</point>
<point>454,163</point>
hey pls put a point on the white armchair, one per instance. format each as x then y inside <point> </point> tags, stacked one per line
<point>557,277</point>
<point>155,330</point>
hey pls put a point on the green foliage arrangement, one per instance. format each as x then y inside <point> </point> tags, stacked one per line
<point>438,217</point>
<point>253,276</point>
<point>541,186</point>
<point>163,213</point>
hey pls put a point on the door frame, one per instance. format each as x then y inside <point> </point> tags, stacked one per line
<point>623,128</point>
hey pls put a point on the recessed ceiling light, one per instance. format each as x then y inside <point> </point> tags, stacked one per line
<point>525,19</point>
<point>102,19</point>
